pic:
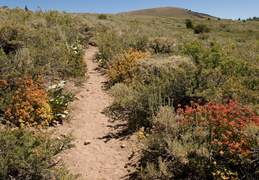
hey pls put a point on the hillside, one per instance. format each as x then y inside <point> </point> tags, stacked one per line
<point>167,12</point>
<point>147,97</point>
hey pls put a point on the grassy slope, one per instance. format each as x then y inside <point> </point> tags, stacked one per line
<point>235,45</point>
<point>238,40</point>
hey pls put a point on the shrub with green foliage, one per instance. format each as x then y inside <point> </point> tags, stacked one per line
<point>161,45</point>
<point>159,81</point>
<point>32,155</point>
<point>221,74</point>
<point>188,24</point>
<point>201,28</point>
<point>41,43</point>
<point>11,37</point>
<point>113,41</point>
<point>102,16</point>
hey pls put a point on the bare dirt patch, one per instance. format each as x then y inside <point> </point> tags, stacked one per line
<point>101,152</point>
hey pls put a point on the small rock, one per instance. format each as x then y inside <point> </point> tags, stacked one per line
<point>87,142</point>
<point>123,146</point>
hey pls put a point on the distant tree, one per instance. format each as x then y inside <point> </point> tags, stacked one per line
<point>208,18</point>
<point>26,8</point>
<point>219,19</point>
<point>239,19</point>
<point>5,7</point>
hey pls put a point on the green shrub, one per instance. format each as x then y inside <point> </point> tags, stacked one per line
<point>201,28</point>
<point>188,24</point>
<point>159,81</point>
<point>221,74</point>
<point>31,155</point>
<point>29,51</point>
<point>10,37</point>
<point>112,41</point>
<point>102,16</point>
<point>161,45</point>
<point>54,18</point>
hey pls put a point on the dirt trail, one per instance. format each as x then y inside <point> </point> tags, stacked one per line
<point>98,155</point>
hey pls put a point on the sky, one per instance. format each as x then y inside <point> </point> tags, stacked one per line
<point>225,9</point>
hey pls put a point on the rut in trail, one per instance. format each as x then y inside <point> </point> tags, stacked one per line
<point>106,157</point>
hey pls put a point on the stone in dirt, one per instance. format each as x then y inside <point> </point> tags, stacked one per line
<point>87,142</point>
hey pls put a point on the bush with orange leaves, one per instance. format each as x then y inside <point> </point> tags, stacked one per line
<point>123,67</point>
<point>25,102</point>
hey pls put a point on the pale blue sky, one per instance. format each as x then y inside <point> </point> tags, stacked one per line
<point>227,9</point>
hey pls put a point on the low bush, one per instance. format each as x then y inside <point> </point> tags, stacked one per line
<point>188,24</point>
<point>161,45</point>
<point>26,102</point>
<point>32,155</point>
<point>102,16</point>
<point>112,41</point>
<point>29,51</point>
<point>11,37</point>
<point>211,141</point>
<point>123,67</point>
<point>220,74</point>
<point>159,81</point>
<point>201,28</point>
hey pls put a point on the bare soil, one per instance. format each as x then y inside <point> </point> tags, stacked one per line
<point>102,150</point>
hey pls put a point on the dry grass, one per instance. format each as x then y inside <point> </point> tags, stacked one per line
<point>168,12</point>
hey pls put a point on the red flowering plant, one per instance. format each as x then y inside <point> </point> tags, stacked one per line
<point>210,141</point>
<point>232,141</point>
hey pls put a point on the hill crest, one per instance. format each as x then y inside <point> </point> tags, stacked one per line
<point>167,12</point>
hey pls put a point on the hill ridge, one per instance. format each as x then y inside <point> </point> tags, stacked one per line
<point>168,12</point>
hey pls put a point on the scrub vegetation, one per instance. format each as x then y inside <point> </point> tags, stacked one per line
<point>190,87</point>
<point>194,100</point>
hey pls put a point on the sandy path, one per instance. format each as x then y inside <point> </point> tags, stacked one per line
<point>105,157</point>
